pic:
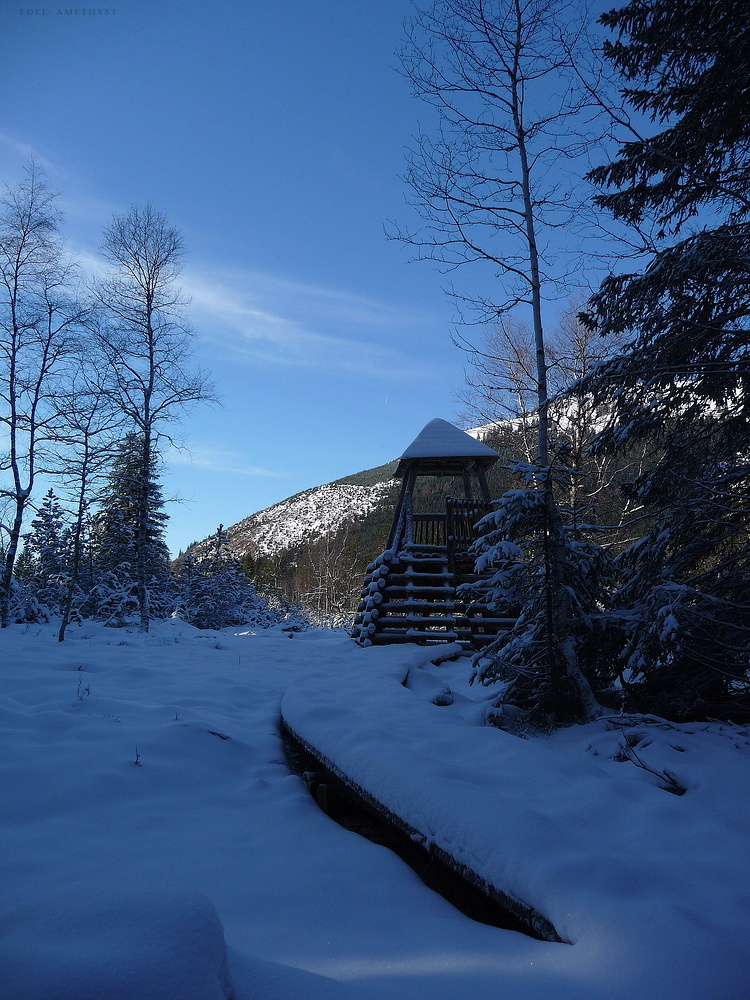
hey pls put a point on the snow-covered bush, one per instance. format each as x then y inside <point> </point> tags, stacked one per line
<point>550,664</point>
<point>212,592</point>
<point>684,653</point>
<point>113,599</point>
<point>24,605</point>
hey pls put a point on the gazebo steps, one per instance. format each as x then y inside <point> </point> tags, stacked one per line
<point>404,607</point>
<point>413,599</point>
<point>421,638</point>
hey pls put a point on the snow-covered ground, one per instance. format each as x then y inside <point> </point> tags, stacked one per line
<point>154,846</point>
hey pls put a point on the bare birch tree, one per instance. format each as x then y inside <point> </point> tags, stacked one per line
<point>147,344</point>
<point>39,324</point>
<point>93,426</point>
<point>490,189</point>
<point>501,388</point>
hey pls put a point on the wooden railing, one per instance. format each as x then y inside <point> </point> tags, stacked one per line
<point>461,519</point>
<point>454,529</point>
<point>429,529</point>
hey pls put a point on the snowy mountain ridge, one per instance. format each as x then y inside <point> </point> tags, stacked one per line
<point>304,517</point>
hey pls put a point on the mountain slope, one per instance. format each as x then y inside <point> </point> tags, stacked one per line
<point>314,546</point>
<point>306,517</point>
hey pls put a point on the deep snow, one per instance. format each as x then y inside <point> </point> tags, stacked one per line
<point>206,863</point>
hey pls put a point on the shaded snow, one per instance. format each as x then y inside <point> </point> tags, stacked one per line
<point>119,944</point>
<point>651,887</point>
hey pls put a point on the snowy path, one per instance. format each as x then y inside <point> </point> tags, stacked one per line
<point>94,848</point>
<point>646,885</point>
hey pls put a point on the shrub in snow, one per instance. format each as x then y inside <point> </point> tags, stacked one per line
<point>683,649</point>
<point>24,605</point>
<point>113,598</point>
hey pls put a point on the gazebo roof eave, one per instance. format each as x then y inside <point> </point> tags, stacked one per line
<point>453,465</point>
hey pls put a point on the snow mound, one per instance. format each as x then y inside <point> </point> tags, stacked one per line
<point>119,945</point>
<point>581,826</point>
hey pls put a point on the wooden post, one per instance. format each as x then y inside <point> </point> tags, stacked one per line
<point>399,517</point>
<point>408,532</point>
<point>397,522</point>
<point>483,484</point>
<point>450,531</point>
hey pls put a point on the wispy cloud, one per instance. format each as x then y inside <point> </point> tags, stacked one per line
<point>277,321</point>
<point>15,154</point>
<point>262,319</point>
<point>258,317</point>
<point>86,211</point>
<point>216,460</point>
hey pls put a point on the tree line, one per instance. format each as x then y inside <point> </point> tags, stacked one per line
<point>94,376</point>
<point>654,617</point>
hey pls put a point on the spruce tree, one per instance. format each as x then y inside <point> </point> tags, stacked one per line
<point>683,383</point>
<point>514,555</point>
<point>213,592</point>
<point>46,554</point>
<point>115,534</point>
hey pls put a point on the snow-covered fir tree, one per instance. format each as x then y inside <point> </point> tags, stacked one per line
<point>526,579</point>
<point>683,382</point>
<point>113,540</point>
<point>213,592</point>
<point>45,562</point>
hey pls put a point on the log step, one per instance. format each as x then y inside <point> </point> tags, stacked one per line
<point>388,607</point>
<point>414,621</point>
<point>412,576</point>
<point>381,638</point>
<point>418,588</point>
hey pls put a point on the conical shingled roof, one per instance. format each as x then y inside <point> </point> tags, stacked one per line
<point>440,446</point>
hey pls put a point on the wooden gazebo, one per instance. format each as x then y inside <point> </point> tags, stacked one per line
<point>409,593</point>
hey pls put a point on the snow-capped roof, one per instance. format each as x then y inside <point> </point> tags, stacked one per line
<point>439,439</point>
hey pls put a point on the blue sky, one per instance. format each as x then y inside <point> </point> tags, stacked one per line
<point>272,133</point>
